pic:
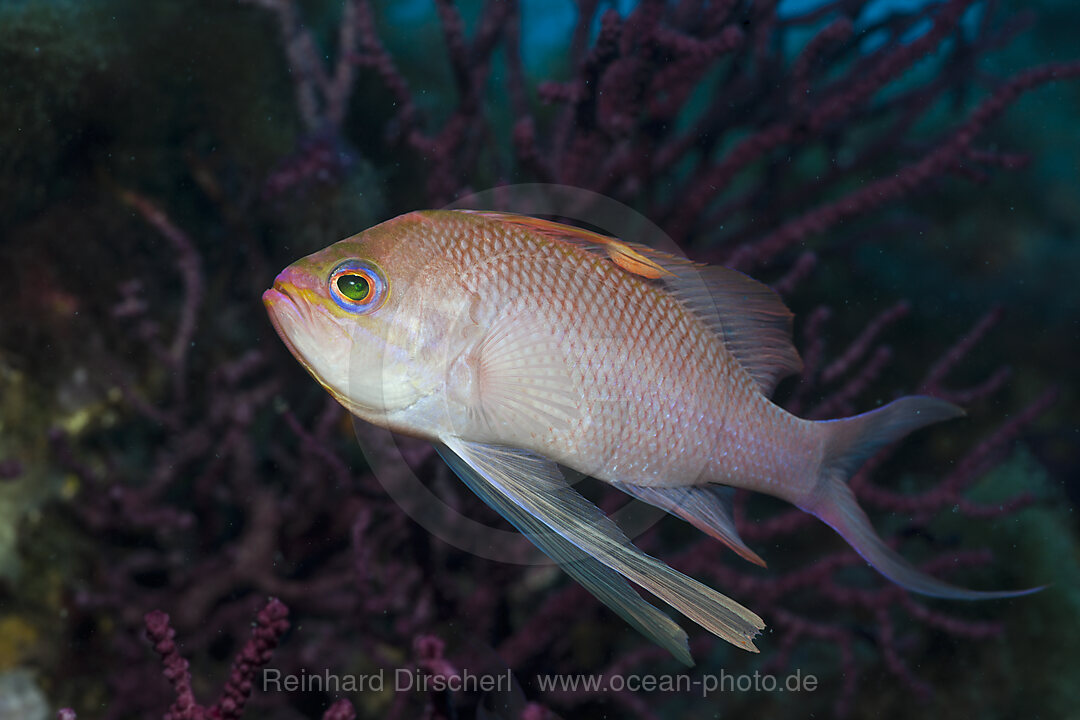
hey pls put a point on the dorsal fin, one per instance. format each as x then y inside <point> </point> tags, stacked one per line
<point>750,317</point>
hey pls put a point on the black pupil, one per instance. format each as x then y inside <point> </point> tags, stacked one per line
<point>354,287</point>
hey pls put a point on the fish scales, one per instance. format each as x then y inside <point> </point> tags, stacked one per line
<point>517,344</point>
<point>645,368</point>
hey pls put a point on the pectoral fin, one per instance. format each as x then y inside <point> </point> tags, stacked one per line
<point>606,584</point>
<point>522,379</point>
<point>535,486</point>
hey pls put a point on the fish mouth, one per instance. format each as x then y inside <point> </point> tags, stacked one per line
<point>281,293</point>
<point>279,303</point>
<point>280,290</point>
<point>293,315</point>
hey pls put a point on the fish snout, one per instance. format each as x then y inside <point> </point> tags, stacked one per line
<point>289,286</point>
<point>292,279</point>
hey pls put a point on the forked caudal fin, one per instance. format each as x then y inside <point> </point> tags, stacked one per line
<point>849,442</point>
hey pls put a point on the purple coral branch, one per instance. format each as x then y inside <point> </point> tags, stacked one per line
<point>176,671</point>
<point>340,710</point>
<point>189,263</point>
<point>313,85</point>
<point>962,348</point>
<point>861,345</point>
<point>885,190</point>
<point>270,625</point>
<point>831,109</point>
<point>322,536</point>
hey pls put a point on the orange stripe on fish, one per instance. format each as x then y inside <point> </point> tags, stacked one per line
<point>629,256</point>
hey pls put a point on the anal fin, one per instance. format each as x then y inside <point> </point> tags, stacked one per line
<point>706,507</point>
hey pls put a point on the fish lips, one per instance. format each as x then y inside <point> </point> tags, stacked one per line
<point>303,324</point>
<point>284,311</point>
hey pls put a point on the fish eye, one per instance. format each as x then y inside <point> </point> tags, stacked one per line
<point>358,286</point>
<point>354,286</point>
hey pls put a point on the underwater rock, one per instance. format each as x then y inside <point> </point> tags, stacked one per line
<point>20,697</point>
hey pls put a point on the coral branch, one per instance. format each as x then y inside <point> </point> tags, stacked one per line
<point>742,130</point>
<point>915,176</point>
<point>270,624</point>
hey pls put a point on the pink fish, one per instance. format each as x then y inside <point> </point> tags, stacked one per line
<point>517,345</point>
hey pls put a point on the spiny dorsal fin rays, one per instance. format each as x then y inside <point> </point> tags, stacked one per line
<point>607,585</point>
<point>750,317</point>
<point>706,507</point>
<point>536,486</point>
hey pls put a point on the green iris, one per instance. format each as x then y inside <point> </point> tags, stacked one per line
<point>354,287</point>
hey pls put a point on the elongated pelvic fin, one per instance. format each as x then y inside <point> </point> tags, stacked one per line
<point>535,485</point>
<point>706,507</point>
<point>603,582</point>
<point>849,443</point>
